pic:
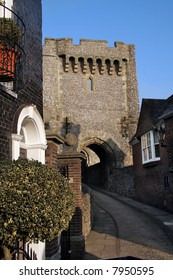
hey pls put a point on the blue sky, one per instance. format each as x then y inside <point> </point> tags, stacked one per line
<point>146,23</point>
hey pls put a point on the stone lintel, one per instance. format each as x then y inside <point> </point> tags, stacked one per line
<point>73,155</point>
<point>54,137</point>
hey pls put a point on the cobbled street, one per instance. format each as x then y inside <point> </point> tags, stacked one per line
<point>123,230</point>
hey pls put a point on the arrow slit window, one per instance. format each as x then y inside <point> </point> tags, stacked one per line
<point>90,84</point>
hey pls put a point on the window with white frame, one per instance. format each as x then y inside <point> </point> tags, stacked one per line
<point>150,147</point>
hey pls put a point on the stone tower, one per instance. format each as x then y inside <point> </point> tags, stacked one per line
<point>90,90</point>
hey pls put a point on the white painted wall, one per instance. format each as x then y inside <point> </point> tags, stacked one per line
<point>8,4</point>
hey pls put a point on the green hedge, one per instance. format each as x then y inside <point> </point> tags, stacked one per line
<point>36,202</point>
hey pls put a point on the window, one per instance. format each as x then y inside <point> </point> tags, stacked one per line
<point>150,147</point>
<point>90,84</point>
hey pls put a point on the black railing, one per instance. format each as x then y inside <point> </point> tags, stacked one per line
<point>20,251</point>
<point>65,245</point>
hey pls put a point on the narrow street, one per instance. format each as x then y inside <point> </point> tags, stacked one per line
<point>122,230</point>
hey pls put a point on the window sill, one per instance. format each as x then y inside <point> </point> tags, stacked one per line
<point>171,169</point>
<point>151,163</point>
<point>8,91</point>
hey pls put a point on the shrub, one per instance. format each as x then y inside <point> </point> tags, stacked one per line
<point>9,32</point>
<point>36,202</point>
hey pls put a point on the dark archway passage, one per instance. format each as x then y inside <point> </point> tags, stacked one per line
<point>97,167</point>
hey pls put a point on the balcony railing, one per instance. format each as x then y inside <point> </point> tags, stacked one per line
<point>12,41</point>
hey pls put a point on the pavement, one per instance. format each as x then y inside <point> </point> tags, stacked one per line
<point>102,242</point>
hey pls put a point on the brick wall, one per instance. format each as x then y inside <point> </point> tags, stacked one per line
<point>51,155</point>
<point>29,91</point>
<point>78,229</point>
<point>153,182</point>
<point>74,172</point>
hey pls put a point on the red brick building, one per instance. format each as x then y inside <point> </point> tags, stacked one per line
<point>153,153</point>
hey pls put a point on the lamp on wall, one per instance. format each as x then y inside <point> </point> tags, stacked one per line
<point>161,134</point>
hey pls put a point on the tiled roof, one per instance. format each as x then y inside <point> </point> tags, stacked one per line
<point>169,110</point>
<point>151,110</point>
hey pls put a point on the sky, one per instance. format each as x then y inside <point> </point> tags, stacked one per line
<point>148,24</point>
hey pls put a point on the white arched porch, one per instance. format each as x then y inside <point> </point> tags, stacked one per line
<point>29,140</point>
<point>29,134</point>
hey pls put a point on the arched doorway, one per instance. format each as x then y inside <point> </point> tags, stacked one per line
<point>29,140</point>
<point>28,137</point>
<point>100,159</point>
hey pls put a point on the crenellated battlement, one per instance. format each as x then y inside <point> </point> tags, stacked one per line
<point>92,64</point>
<point>92,55</point>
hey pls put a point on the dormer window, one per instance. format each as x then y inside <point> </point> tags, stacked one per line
<point>150,147</point>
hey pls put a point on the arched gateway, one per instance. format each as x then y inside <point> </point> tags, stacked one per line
<point>100,159</point>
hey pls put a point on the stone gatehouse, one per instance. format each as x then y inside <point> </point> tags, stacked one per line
<point>90,91</point>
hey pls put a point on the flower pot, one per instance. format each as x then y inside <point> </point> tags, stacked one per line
<point>7,63</point>
<point>9,39</point>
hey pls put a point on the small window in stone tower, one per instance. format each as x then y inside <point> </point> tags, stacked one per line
<point>90,84</point>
